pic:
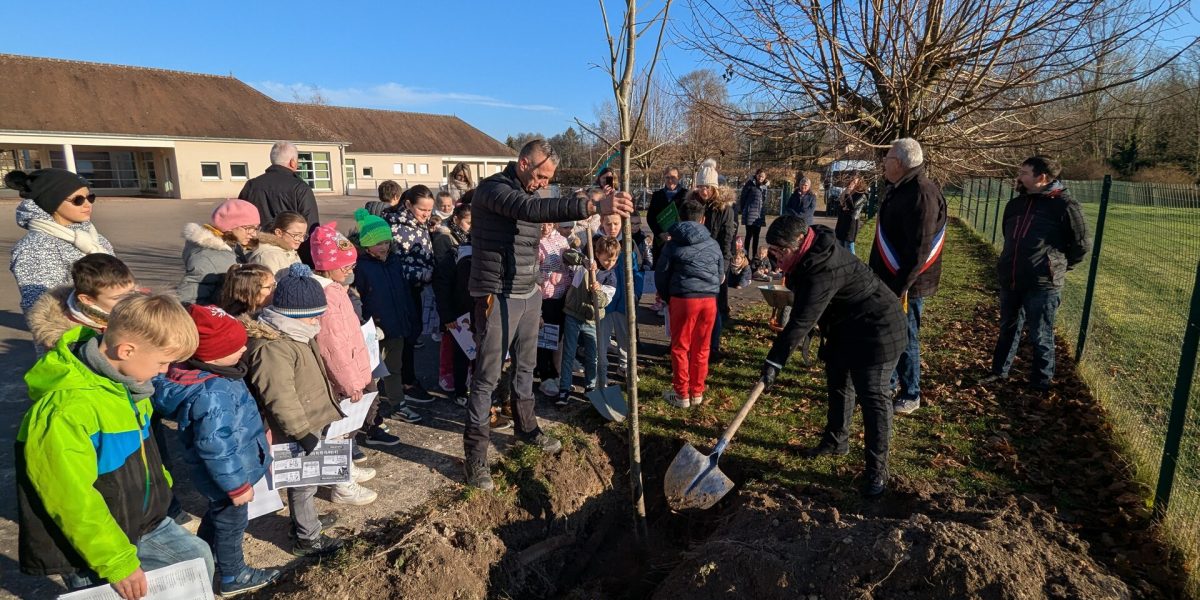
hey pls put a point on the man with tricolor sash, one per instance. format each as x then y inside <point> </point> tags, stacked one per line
<point>907,255</point>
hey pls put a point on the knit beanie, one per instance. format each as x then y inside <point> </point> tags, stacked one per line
<point>371,229</point>
<point>298,295</point>
<point>220,334</point>
<point>707,175</point>
<point>330,249</point>
<point>234,213</point>
<point>48,188</point>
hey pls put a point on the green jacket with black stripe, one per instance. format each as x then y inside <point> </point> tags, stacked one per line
<point>90,481</point>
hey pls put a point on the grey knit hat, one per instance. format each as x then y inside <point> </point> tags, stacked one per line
<point>298,295</point>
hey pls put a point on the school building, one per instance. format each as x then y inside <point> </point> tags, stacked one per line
<point>135,131</point>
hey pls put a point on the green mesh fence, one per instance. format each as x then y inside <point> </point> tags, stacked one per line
<point>1143,289</point>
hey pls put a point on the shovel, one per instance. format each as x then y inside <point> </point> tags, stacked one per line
<point>609,401</point>
<point>693,480</point>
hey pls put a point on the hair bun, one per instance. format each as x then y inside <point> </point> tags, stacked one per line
<point>17,180</point>
<point>299,270</point>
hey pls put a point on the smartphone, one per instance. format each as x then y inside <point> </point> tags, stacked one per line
<point>611,181</point>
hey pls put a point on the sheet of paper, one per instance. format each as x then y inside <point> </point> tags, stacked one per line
<point>356,414</point>
<point>181,581</point>
<point>370,336</point>
<point>462,334</point>
<point>548,337</point>
<point>266,499</point>
<point>328,464</point>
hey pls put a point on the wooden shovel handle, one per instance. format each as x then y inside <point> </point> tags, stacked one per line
<point>741,416</point>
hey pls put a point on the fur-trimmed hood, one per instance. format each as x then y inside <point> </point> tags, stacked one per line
<point>269,239</point>
<point>724,198</point>
<point>205,237</point>
<point>48,318</point>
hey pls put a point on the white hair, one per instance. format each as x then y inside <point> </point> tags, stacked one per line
<point>283,153</point>
<point>908,152</point>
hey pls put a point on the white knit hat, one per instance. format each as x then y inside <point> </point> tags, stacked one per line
<point>707,175</point>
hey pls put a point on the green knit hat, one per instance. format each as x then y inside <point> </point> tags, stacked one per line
<point>371,229</point>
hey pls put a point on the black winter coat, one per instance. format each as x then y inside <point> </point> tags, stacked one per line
<point>849,219</point>
<point>861,321</point>
<point>280,189</point>
<point>691,265</point>
<point>447,293</point>
<point>1045,235</point>
<point>754,202</point>
<point>911,215</point>
<point>802,205</point>
<point>722,225</point>
<point>505,233</point>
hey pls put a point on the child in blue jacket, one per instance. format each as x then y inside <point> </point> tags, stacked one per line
<point>225,445</point>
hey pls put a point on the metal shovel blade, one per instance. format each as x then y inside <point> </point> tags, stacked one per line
<point>693,480</point>
<point>609,402</point>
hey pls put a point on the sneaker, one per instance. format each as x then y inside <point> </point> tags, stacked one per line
<point>697,400</point>
<point>462,401</point>
<point>379,437</point>
<point>361,474</point>
<point>327,520</point>
<point>545,443</point>
<point>437,337</point>
<point>352,494</point>
<point>905,406</point>
<point>993,378</point>
<point>407,415</point>
<point>356,453</point>
<point>549,388</point>
<point>676,400</point>
<point>563,400</point>
<point>322,545</point>
<point>447,384</point>
<point>499,422</point>
<point>657,306</point>
<point>249,580</point>
<point>479,476</point>
<point>417,395</point>
<point>824,449</point>
<point>876,485</point>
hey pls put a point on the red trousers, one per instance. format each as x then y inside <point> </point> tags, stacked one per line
<point>692,322</point>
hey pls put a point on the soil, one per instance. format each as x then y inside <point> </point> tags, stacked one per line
<point>561,528</point>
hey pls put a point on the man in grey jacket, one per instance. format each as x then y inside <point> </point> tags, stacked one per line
<point>508,306</point>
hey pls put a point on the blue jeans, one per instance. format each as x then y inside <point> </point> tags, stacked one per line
<point>1037,308</point>
<point>222,528</point>
<point>166,545</point>
<point>577,335</point>
<point>906,380</point>
<point>847,244</point>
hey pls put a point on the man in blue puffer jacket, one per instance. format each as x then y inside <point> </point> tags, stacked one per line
<point>689,275</point>
<point>223,438</point>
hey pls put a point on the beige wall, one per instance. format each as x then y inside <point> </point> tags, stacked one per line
<point>384,164</point>
<point>257,155</point>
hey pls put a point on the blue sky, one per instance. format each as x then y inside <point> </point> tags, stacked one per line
<point>498,69</point>
<point>505,67</point>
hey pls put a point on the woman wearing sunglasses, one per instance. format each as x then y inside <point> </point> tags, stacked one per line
<point>210,249</point>
<point>57,212</point>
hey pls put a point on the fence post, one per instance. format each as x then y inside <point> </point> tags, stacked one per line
<point>975,217</point>
<point>996,225</point>
<point>985,215</point>
<point>1091,282</point>
<point>1179,404</point>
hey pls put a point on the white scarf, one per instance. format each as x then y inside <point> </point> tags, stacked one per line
<point>85,239</point>
<point>295,329</point>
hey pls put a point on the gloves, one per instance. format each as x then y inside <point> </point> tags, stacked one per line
<point>309,443</point>
<point>769,372</point>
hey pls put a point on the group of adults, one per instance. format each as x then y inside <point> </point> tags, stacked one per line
<point>869,315</point>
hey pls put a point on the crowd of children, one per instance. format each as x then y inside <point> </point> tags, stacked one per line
<point>263,344</point>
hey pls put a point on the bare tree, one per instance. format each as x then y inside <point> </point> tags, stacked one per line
<point>965,77</point>
<point>708,117</point>
<point>313,95</point>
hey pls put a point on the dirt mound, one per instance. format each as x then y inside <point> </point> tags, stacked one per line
<point>790,548</point>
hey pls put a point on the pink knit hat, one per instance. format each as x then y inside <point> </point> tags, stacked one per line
<point>234,213</point>
<point>330,249</point>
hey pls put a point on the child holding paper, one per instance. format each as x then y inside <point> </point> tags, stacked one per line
<point>224,444</point>
<point>287,378</point>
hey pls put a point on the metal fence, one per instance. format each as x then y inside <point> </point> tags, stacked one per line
<point>1131,313</point>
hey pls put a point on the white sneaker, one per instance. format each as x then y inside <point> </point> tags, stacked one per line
<point>352,494</point>
<point>360,474</point>
<point>549,388</point>
<point>697,400</point>
<point>675,400</point>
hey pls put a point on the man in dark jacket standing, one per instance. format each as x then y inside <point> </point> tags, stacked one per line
<point>671,193</point>
<point>803,202</point>
<point>1044,237</point>
<point>508,304</point>
<point>863,334</point>
<point>280,188</point>
<point>753,203</point>
<point>907,255</point>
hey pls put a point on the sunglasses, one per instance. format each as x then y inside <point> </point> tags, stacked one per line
<point>79,200</point>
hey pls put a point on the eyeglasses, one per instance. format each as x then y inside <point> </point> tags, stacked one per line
<point>269,286</point>
<point>79,200</point>
<point>246,228</point>
<point>299,237</point>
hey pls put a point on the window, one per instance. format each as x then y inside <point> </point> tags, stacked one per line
<point>315,170</point>
<point>397,168</point>
<point>445,171</point>
<point>412,169</point>
<point>424,169</point>
<point>351,173</point>
<point>368,171</point>
<point>210,171</point>
<point>238,171</point>
<point>103,170</point>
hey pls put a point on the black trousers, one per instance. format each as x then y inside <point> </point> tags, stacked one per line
<point>870,387</point>
<point>752,234</point>
<point>552,314</point>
